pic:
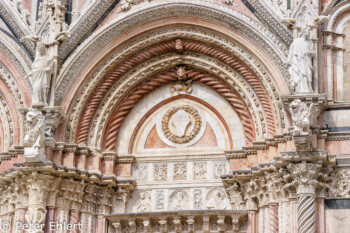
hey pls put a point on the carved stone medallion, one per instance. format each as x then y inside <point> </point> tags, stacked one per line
<point>181,124</point>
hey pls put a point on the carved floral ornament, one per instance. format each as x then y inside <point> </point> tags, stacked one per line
<point>180,119</point>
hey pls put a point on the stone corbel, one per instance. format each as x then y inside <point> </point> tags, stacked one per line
<point>304,110</point>
<point>54,116</point>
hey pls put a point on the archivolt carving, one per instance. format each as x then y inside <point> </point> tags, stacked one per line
<point>12,85</point>
<point>7,123</point>
<point>17,21</point>
<point>337,13</point>
<point>226,17</point>
<point>190,45</point>
<point>138,93</point>
<point>174,32</point>
<point>17,56</point>
<point>151,67</point>
<point>81,26</point>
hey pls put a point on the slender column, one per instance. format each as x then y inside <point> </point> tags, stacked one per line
<point>284,218</point>
<point>305,180</point>
<point>340,68</point>
<point>252,221</point>
<point>50,217</point>
<point>99,224</point>
<point>306,214</point>
<point>320,217</point>
<point>147,225</point>
<point>10,220</point>
<point>163,225</point>
<point>293,216</point>
<point>178,226</point>
<point>273,214</point>
<point>74,219</point>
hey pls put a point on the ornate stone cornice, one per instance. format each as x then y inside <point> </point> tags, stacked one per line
<point>61,171</point>
<point>312,156</point>
<point>237,154</point>
<point>70,148</point>
<point>338,136</point>
<point>260,145</point>
<point>10,153</point>
<point>125,159</point>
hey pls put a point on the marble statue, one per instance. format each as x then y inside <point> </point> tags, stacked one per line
<point>34,148</point>
<point>42,70</point>
<point>300,62</point>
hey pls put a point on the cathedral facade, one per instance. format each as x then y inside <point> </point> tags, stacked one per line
<point>195,116</point>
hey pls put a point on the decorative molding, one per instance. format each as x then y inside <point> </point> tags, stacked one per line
<point>17,20</point>
<point>95,100</point>
<point>261,73</point>
<point>179,221</point>
<point>85,23</point>
<point>17,56</point>
<point>125,159</point>
<point>231,19</point>
<point>272,21</point>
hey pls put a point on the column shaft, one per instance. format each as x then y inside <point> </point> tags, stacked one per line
<point>306,214</point>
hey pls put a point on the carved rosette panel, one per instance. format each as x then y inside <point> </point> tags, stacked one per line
<point>273,214</point>
<point>176,122</point>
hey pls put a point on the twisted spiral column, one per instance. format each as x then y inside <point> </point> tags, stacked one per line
<point>74,219</point>
<point>306,214</point>
<point>273,217</point>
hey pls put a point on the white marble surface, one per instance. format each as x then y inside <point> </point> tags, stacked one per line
<point>199,91</point>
